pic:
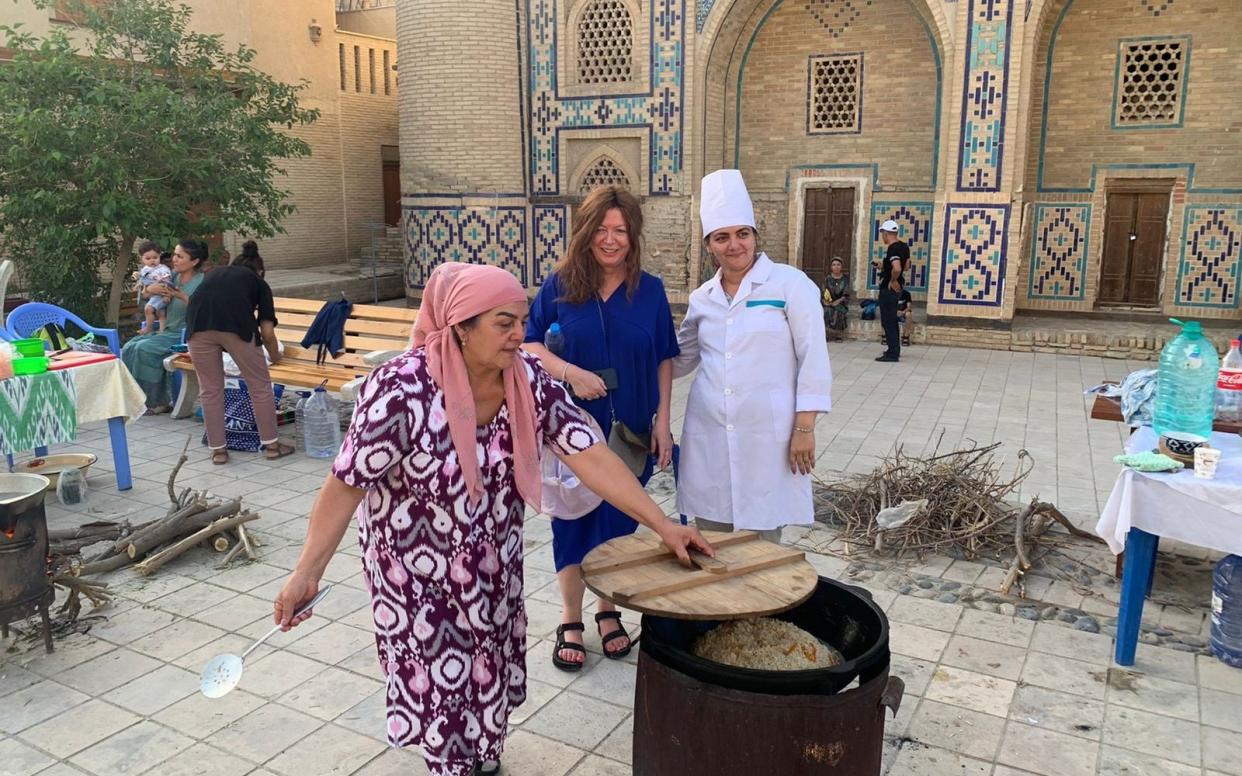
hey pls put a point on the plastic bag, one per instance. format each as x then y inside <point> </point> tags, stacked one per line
<point>563,494</point>
<point>71,488</point>
<point>896,517</point>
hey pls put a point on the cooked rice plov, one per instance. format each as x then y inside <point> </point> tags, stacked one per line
<point>765,644</point>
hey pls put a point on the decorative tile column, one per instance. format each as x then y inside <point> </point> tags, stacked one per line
<point>977,244</point>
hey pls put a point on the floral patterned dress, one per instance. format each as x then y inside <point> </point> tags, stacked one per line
<point>445,578</point>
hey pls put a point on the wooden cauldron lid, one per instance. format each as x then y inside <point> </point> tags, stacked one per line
<point>748,577</point>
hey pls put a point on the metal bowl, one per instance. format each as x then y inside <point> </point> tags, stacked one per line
<point>51,466</point>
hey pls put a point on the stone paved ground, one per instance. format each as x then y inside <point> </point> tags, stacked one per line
<point>993,685</point>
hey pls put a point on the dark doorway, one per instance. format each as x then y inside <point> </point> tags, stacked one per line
<point>392,193</point>
<point>1134,232</point>
<point>827,230</point>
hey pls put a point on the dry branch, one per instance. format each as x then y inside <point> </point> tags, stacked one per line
<point>172,478</point>
<point>171,529</point>
<point>969,512</point>
<point>153,562</point>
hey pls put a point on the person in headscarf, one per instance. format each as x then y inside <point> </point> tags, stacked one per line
<point>755,333</point>
<point>442,454</point>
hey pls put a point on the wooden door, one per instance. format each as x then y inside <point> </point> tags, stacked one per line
<point>1147,257</point>
<point>827,230</point>
<point>1134,232</point>
<point>392,193</point>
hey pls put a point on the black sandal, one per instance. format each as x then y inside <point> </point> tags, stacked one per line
<point>561,643</point>
<point>487,768</point>
<point>619,633</point>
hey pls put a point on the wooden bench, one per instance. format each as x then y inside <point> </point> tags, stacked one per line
<point>372,335</point>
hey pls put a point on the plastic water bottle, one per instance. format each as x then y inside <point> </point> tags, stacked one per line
<point>321,425</point>
<point>1229,385</point>
<point>554,339</point>
<point>299,418</point>
<point>1186,383</point>
<point>1226,636</point>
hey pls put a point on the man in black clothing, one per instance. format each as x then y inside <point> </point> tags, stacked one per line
<point>891,284</point>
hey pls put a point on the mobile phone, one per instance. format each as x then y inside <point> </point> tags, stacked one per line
<point>609,376</point>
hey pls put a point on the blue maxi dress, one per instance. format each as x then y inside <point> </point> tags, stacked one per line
<point>632,336</point>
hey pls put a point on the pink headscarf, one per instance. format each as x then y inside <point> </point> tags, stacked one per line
<point>456,292</point>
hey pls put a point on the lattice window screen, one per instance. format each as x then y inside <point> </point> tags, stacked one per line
<point>605,43</point>
<point>835,94</point>
<point>1150,79</point>
<point>604,172</point>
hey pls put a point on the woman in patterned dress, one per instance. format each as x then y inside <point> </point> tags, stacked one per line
<point>441,532</point>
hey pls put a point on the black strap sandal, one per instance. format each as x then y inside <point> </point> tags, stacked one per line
<point>561,643</point>
<point>487,768</point>
<point>619,633</point>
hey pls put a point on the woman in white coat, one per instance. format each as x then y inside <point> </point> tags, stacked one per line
<point>755,331</point>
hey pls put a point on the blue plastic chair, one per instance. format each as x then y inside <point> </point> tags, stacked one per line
<point>26,319</point>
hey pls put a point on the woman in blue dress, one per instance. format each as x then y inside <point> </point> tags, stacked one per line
<point>616,320</point>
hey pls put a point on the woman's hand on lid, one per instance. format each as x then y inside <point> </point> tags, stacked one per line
<point>681,538</point>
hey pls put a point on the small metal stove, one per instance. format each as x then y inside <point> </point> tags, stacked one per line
<point>25,587</point>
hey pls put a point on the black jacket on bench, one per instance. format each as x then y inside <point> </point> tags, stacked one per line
<point>232,299</point>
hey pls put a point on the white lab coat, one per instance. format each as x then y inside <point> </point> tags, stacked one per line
<point>761,358</point>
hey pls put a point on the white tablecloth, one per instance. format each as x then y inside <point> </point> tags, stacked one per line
<point>1178,505</point>
<point>107,390</point>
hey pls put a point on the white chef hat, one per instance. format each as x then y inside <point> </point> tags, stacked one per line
<point>724,201</point>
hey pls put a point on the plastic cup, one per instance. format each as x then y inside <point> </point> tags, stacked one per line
<point>1206,459</point>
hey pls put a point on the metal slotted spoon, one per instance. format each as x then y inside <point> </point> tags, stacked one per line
<point>224,671</point>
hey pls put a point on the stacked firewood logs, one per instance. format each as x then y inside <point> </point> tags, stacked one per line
<point>194,518</point>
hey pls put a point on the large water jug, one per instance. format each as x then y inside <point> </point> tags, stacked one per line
<point>1226,634</point>
<point>321,425</point>
<point>1186,383</point>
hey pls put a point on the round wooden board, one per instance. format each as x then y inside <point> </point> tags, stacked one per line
<point>621,568</point>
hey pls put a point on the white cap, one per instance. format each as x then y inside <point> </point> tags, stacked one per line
<point>890,226</point>
<point>724,201</point>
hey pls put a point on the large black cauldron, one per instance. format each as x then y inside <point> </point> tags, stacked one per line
<point>25,587</point>
<point>695,716</point>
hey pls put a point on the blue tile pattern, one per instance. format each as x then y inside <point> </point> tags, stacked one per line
<point>701,12</point>
<point>985,95</point>
<point>551,232</point>
<point>915,220</point>
<point>1208,271</point>
<point>1059,252</point>
<point>476,235</point>
<point>972,265</point>
<point>657,110</point>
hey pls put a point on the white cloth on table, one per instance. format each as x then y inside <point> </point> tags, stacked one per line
<point>1178,505</point>
<point>107,390</point>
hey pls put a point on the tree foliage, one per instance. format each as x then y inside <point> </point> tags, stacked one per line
<point>130,124</point>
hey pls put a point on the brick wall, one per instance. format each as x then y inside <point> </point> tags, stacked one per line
<point>1077,152</point>
<point>460,115</point>
<point>368,119</point>
<point>1080,103</point>
<point>898,96</point>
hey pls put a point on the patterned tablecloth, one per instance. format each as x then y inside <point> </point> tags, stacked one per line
<point>45,409</point>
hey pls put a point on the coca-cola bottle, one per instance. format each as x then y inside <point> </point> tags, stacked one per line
<point>1229,385</point>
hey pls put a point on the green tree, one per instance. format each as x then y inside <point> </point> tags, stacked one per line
<point>131,125</point>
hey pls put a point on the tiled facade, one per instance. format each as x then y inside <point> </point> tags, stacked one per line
<point>1058,253</point>
<point>987,128</point>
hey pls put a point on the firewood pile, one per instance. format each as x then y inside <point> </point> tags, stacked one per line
<point>953,503</point>
<point>194,518</point>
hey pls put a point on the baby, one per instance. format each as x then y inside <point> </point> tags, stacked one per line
<point>153,272</point>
